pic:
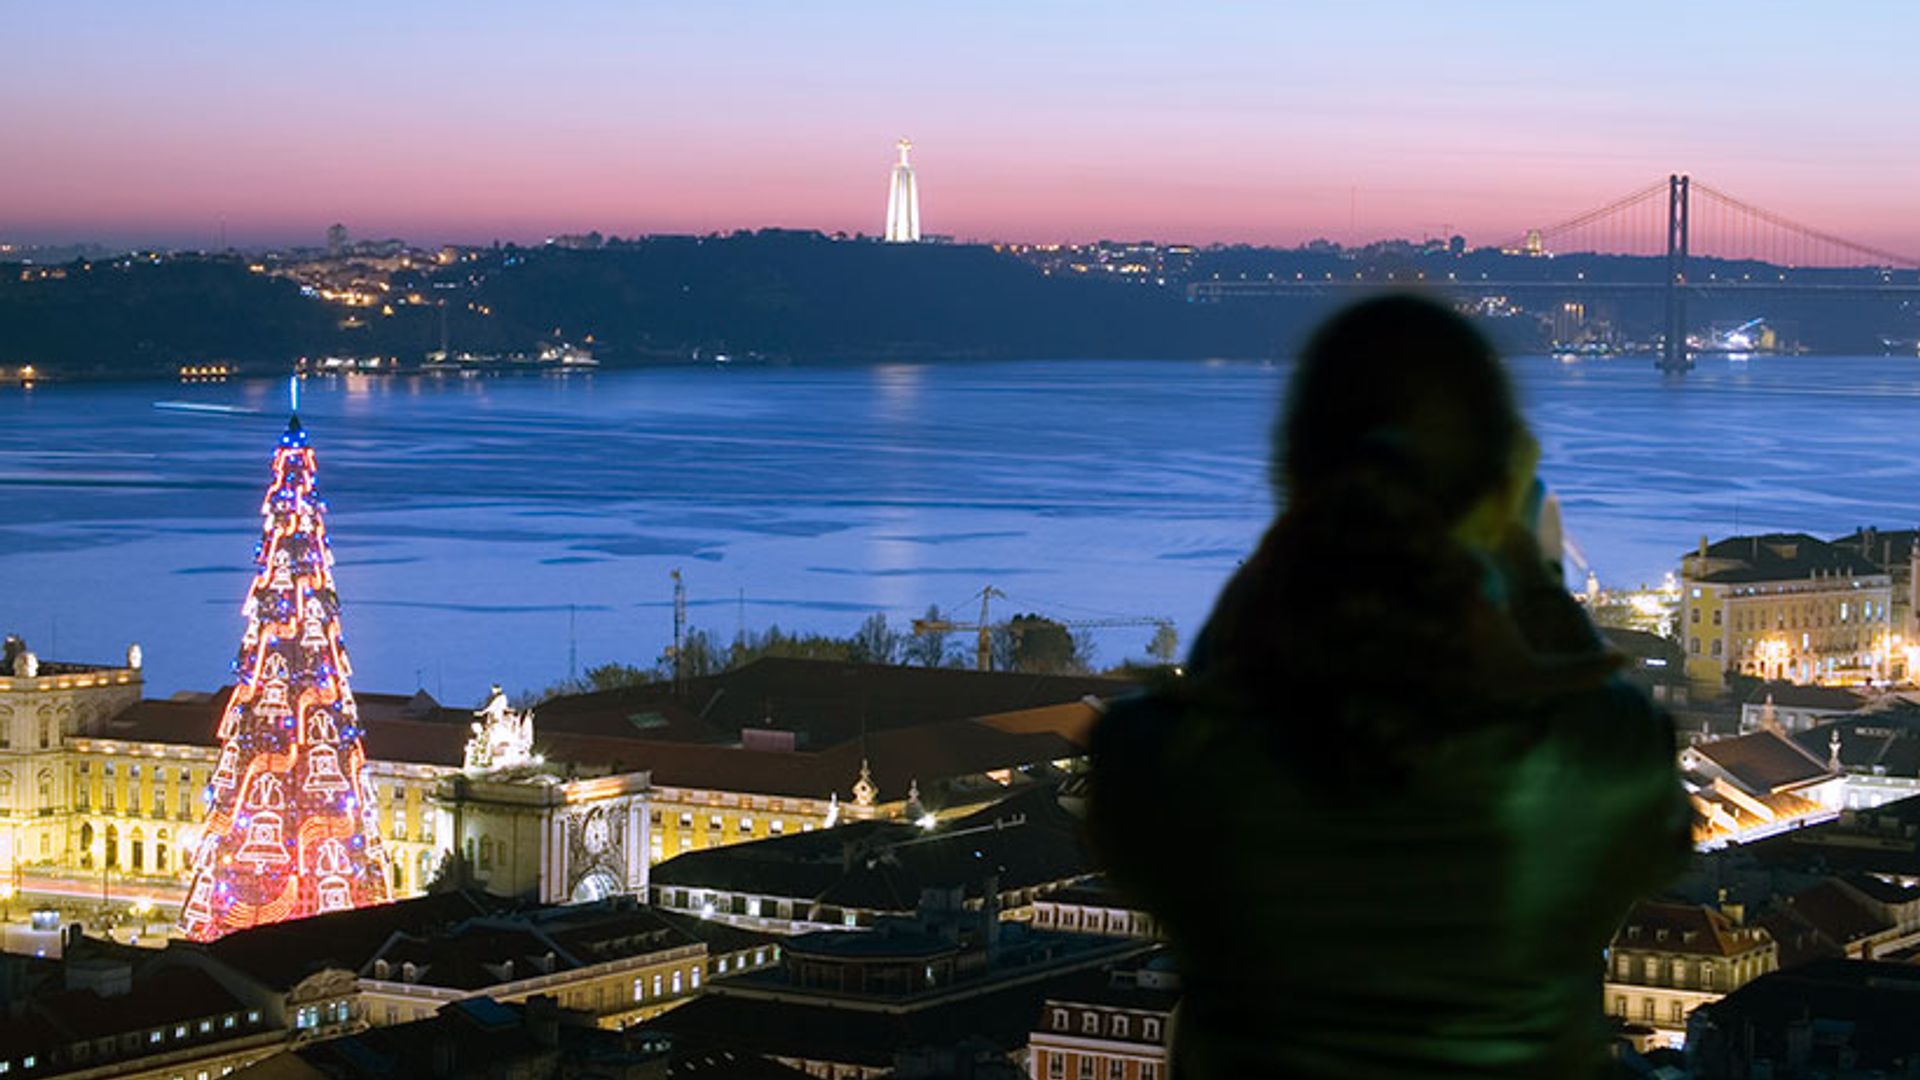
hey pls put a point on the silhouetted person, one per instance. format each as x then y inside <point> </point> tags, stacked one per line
<point>1397,806</point>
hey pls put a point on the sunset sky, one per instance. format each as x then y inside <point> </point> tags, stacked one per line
<point>1249,121</point>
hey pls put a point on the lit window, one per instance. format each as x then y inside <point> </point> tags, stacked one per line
<point>676,982</point>
<point>696,978</point>
<point>639,990</point>
<point>746,826</point>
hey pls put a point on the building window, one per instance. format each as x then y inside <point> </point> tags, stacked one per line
<point>486,853</point>
<point>1086,1067</point>
<point>1056,1066</point>
<point>714,822</point>
<point>777,826</point>
<point>676,982</point>
<point>1706,975</point>
<point>1149,1071</point>
<point>1116,1069</point>
<point>1090,1023</point>
<point>1676,1013</point>
<point>1646,1010</point>
<point>656,986</point>
<point>1693,646</point>
<point>1651,968</point>
<point>1693,616</point>
<point>186,805</point>
<point>639,990</point>
<point>1120,1027</point>
<point>746,826</point>
<point>1716,646</point>
<point>1150,1029</point>
<point>1716,616</point>
<point>686,819</point>
<point>696,978</point>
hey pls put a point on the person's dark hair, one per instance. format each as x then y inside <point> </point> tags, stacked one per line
<point>1360,609</point>
<point>1404,388</point>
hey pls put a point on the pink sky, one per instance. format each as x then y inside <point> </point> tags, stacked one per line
<point>1210,122</point>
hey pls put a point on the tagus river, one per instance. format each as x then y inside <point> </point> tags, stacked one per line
<point>495,529</point>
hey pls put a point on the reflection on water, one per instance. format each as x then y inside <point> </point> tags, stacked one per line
<point>470,516</point>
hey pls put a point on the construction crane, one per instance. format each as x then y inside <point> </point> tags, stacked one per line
<point>984,628</point>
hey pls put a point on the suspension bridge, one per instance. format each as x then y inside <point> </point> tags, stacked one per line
<point>1673,239</point>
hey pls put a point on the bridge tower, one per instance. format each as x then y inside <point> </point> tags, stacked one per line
<point>1673,355</point>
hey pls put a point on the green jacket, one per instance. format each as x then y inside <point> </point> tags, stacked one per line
<point>1447,919</point>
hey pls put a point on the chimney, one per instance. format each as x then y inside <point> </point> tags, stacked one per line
<point>1735,913</point>
<point>543,1019</point>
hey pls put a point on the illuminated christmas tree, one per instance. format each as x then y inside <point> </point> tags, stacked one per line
<point>291,829</point>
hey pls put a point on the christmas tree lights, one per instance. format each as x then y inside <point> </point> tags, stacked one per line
<point>291,829</point>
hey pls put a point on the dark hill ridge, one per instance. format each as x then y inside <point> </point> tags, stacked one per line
<point>140,317</point>
<point>776,293</point>
<point>804,295</point>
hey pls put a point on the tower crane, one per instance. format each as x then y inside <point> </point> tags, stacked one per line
<point>984,628</point>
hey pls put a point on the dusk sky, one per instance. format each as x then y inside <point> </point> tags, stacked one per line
<point>1263,122</point>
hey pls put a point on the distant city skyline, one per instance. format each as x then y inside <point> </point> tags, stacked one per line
<point>1222,122</point>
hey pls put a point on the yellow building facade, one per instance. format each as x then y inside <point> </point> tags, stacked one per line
<point>102,793</point>
<point>1787,607</point>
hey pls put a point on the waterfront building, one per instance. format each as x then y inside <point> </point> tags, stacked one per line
<point>903,201</point>
<point>106,811</point>
<point>1896,550</point>
<point>43,706</point>
<point>1785,606</point>
<point>1668,959</point>
<point>1109,1025</point>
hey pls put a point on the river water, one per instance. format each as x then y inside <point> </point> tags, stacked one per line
<point>497,529</point>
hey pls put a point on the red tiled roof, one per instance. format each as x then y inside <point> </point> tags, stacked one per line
<point>1763,761</point>
<point>1685,928</point>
